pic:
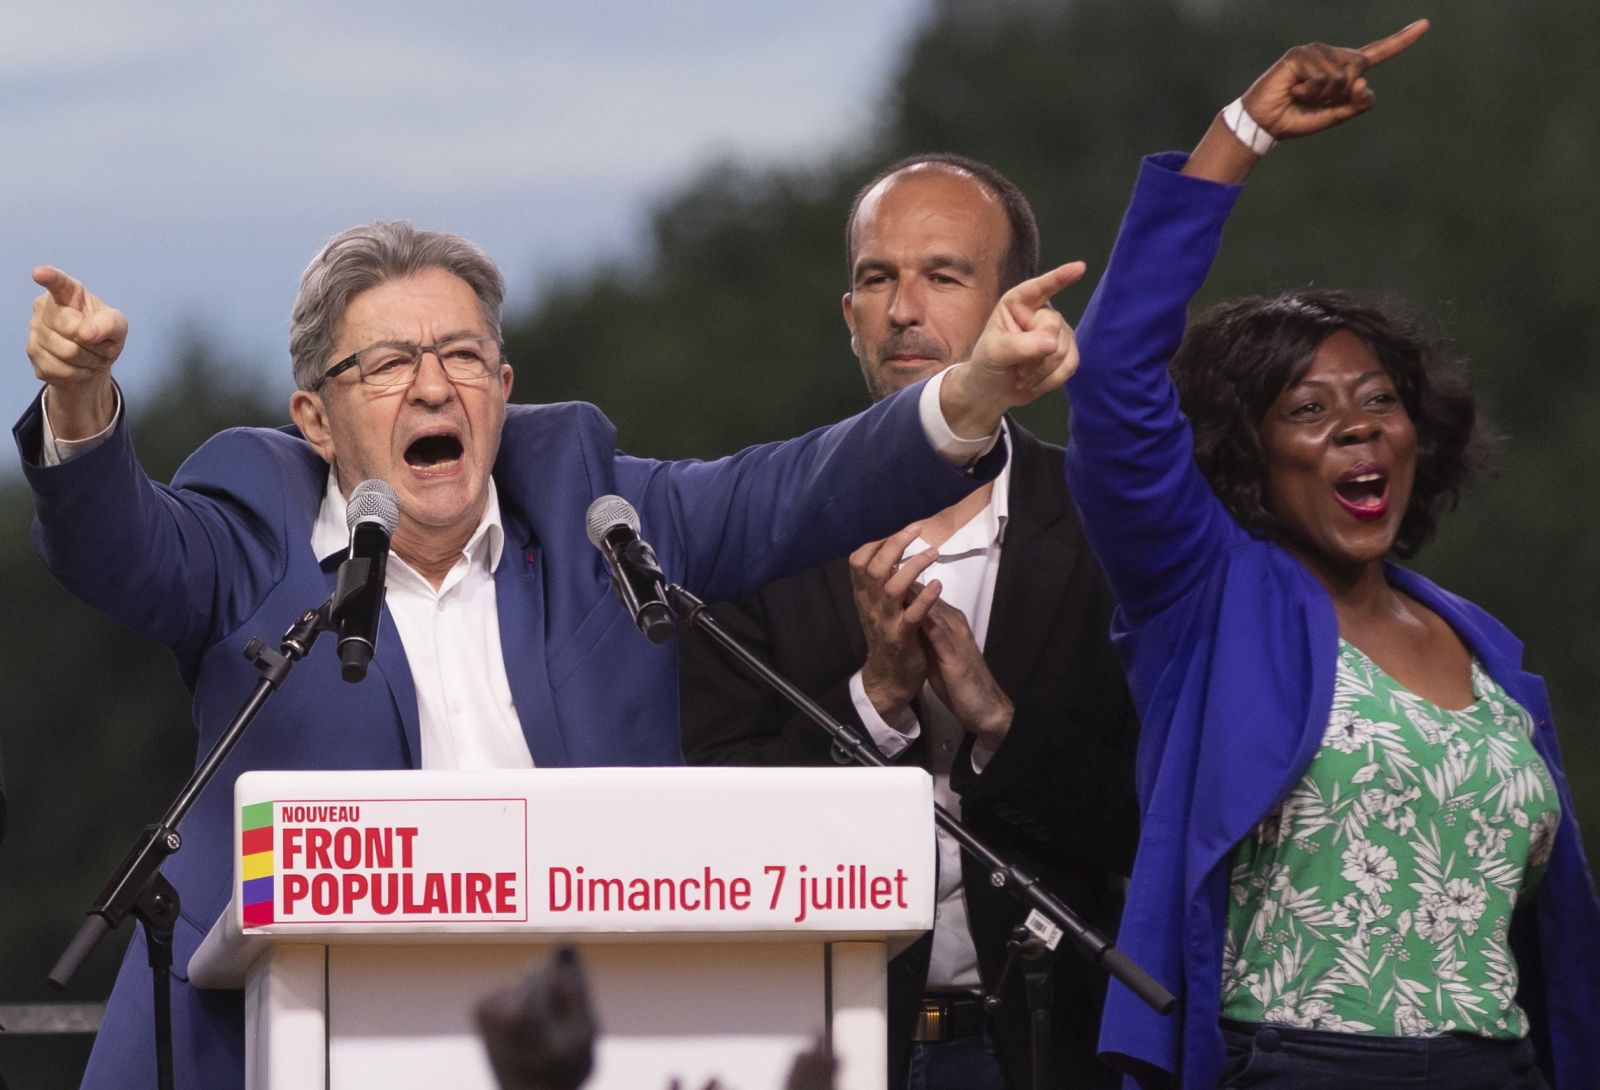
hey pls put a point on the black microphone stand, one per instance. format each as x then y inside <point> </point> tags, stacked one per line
<point>138,886</point>
<point>1011,877</point>
<point>1037,958</point>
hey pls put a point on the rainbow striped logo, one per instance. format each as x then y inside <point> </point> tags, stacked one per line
<point>255,863</point>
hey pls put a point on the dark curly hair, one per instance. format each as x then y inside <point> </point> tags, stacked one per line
<point>1238,356</point>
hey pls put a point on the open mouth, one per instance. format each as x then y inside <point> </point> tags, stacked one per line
<point>434,452</point>
<point>1363,491</point>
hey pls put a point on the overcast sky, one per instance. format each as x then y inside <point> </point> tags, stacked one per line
<point>186,158</point>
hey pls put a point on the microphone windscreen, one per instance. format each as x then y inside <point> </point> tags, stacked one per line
<point>608,512</point>
<point>373,501</point>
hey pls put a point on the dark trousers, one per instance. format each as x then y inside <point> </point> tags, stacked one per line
<point>967,1062</point>
<point>1274,1057</point>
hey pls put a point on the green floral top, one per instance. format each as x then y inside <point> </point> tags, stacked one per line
<point>1377,896</point>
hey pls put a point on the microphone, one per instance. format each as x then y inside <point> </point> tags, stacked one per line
<point>372,515</point>
<point>614,529</point>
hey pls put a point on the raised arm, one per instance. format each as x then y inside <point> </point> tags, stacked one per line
<point>1151,517</point>
<point>1311,88</point>
<point>162,578</point>
<point>73,340</point>
<point>728,527</point>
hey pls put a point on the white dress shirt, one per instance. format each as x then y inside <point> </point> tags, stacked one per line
<point>968,564</point>
<point>451,637</point>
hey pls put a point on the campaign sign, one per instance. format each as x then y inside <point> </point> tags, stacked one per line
<point>383,860</point>
<point>587,850</point>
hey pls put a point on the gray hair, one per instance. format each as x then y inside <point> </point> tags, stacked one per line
<point>364,257</point>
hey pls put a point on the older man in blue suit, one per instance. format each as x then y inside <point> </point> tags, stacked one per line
<point>500,643</point>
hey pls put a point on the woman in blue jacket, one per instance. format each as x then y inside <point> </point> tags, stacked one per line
<point>1359,863</point>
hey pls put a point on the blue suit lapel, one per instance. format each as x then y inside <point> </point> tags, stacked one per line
<point>519,599</point>
<point>389,662</point>
<point>389,668</point>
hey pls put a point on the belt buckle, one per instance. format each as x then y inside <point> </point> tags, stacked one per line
<point>942,1019</point>
<point>934,1022</point>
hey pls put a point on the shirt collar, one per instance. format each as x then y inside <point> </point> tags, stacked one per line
<point>330,536</point>
<point>988,526</point>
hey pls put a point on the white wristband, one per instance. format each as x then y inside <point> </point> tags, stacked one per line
<point>1242,125</point>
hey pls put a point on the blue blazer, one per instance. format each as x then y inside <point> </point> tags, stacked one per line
<point>224,554</point>
<point>1230,645</point>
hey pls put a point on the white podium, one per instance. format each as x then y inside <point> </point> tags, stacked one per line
<point>727,917</point>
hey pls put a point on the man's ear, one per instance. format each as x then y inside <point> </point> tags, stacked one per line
<point>850,320</point>
<point>310,414</point>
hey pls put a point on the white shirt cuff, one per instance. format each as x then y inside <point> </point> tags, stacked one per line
<point>891,740</point>
<point>952,447</point>
<point>54,451</point>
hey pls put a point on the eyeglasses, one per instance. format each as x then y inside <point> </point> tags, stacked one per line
<point>395,363</point>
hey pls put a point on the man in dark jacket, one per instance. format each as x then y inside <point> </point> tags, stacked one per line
<point>973,643</point>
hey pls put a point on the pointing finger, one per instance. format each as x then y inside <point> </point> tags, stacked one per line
<point>1030,295</point>
<point>1394,45</point>
<point>62,288</point>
